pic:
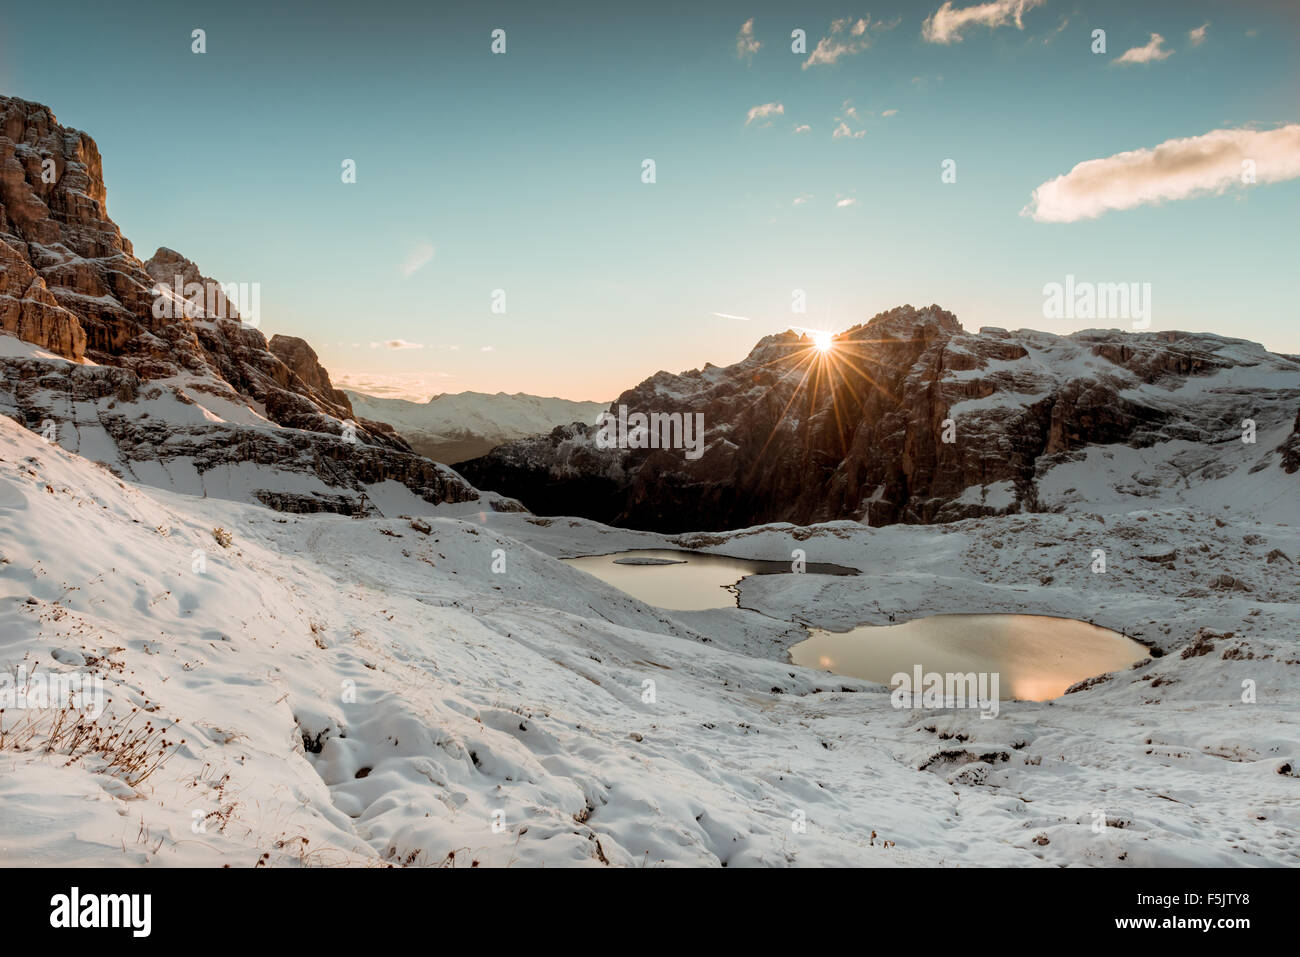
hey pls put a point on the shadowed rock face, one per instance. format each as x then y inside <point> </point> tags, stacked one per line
<point>860,435</point>
<point>1290,448</point>
<point>71,284</point>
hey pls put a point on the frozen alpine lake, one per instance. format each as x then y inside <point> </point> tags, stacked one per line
<point>681,580</point>
<point>1036,657</point>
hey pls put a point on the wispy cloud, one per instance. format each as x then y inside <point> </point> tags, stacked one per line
<point>414,387</point>
<point>397,344</point>
<point>1197,36</point>
<point>417,258</point>
<point>847,37</point>
<point>1154,51</point>
<point>844,130</point>
<point>801,199</point>
<point>727,315</point>
<point>746,45</point>
<point>1209,164</point>
<point>763,112</point>
<point>843,201</point>
<point>889,113</point>
<point>947,23</point>
<point>1065,22</point>
<point>802,128</point>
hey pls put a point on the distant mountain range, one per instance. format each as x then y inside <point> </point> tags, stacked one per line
<point>450,428</point>
<point>909,418</point>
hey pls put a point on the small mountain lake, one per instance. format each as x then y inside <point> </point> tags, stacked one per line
<point>1035,657</point>
<point>685,581</point>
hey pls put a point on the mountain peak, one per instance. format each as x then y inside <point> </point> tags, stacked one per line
<point>911,419</point>
<point>909,318</point>
<point>220,397</point>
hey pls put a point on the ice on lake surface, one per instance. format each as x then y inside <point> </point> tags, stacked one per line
<point>684,581</point>
<point>1035,657</point>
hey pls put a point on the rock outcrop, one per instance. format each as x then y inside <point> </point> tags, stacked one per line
<point>908,418</point>
<point>160,365</point>
<point>1290,448</point>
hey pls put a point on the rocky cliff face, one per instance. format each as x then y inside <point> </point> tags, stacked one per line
<point>156,387</point>
<point>909,418</point>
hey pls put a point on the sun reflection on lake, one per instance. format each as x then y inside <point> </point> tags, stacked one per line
<point>1036,657</point>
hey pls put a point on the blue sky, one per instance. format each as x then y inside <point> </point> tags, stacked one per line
<point>522,171</point>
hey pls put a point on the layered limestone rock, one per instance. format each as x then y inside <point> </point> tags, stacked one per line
<point>29,310</point>
<point>161,332</point>
<point>909,418</point>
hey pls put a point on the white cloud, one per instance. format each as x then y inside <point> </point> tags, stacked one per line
<point>486,349</point>
<point>763,111</point>
<point>845,201</point>
<point>417,258</point>
<point>397,344</point>
<point>746,45</point>
<point>1197,36</point>
<point>847,37</point>
<point>802,198</point>
<point>1176,169</point>
<point>946,24</point>
<point>1154,51</point>
<point>889,113</point>
<point>802,128</point>
<point>843,130</point>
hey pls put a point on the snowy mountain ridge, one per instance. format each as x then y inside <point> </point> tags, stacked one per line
<point>911,419</point>
<point>452,427</point>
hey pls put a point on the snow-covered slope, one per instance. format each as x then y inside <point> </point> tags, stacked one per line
<point>191,433</point>
<point>340,690</point>
<point>453,427</point>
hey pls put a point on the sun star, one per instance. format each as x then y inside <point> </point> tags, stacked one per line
<point>822,341</point>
